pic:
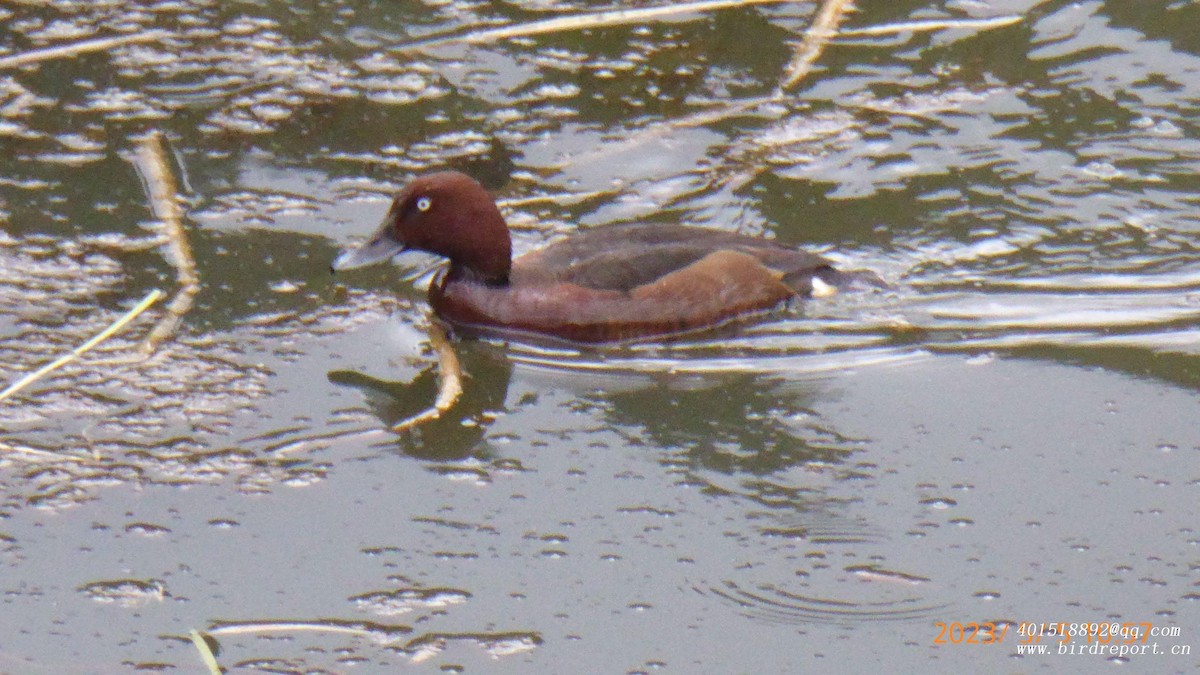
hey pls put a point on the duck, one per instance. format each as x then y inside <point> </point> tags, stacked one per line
<point>618,283</point>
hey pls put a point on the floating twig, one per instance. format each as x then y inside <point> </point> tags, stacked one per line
<point>260,627</point>
<point>103,335</point>
<point>931,25</point>
<point>612,17</point>
<point>818,36</point>
<point>162,191</point>
<point>37,454</point>
<point>321,441</point>
<point>82,47</point>
<point>823,29</point>
<point>449,380</point>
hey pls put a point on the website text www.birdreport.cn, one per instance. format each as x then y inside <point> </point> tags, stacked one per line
<point>1111,638</point>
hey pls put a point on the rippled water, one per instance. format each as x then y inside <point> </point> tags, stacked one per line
<point>1006,434</point>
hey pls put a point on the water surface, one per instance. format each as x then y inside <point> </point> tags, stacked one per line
<point>1007,435</point>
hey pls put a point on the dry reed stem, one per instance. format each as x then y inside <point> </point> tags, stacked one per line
<point>824,27</point>
<point>932,25</point>
<point>206,653</point>
<point>162,192</point>
<point>287,627</point>
<point>615,17</point>
<point>321,441</point>
<point>76,48</point>
<point>103,335</point>
<point>42,455</point>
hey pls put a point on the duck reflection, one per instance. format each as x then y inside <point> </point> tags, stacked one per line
<point>728,423</point>
<point>731,423</point>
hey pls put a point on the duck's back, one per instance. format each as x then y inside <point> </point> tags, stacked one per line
<point>626,282</point>
<point>626,257</point>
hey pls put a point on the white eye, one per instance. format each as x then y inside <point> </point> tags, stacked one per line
<point>424,203</point>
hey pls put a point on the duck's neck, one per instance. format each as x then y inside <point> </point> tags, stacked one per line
<point>482,247</point>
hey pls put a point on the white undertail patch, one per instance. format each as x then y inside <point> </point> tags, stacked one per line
<point>822,289</point>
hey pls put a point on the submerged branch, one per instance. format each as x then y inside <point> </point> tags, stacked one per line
<point>449,380</point>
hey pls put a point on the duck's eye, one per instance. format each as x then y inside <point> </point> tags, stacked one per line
<point>424,203</point>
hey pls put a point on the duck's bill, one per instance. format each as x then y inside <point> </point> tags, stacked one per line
<point>378,249</point>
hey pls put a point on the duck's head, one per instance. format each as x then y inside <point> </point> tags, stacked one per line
<point>447,214</point>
